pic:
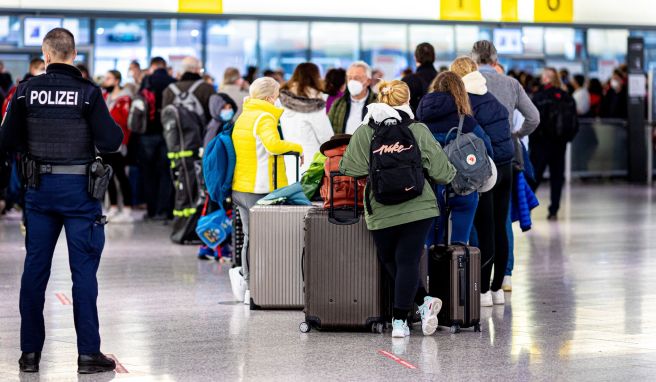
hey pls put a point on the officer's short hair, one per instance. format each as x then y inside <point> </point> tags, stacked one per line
<point>158,61</point>
<point>60,43</point>
<point>484,53</point>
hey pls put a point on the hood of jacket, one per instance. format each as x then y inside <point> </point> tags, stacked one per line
<point>439,112</point>
<point>301,104</point>
<point>475,83</point>
<point>382,111</point>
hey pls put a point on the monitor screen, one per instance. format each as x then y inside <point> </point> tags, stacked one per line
<point>508,41</point>
<point>35,29</point>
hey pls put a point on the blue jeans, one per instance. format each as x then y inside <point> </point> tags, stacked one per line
<point>463,209</point>
<point>61,201</point>
<point>511,244</point>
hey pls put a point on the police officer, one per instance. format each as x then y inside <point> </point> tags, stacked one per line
<point>57,121</point>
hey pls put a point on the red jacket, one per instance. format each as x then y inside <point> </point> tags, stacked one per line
<point>119,109</point>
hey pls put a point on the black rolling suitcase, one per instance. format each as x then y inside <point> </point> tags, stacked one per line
<point>345,286</point>
<point>455,278</point>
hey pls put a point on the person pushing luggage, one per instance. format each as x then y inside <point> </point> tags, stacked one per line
<point>400,205</point>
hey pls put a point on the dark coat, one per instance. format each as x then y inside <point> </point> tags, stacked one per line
<point>157,82</point>
<point>439,112</point>
<point>419,82</point>
<point>492,116</point>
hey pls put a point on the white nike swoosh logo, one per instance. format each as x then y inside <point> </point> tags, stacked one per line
<point>408,189</point>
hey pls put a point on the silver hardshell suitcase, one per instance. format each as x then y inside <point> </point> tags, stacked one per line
<point>275,252</point>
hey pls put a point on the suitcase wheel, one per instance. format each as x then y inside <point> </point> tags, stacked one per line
<point>455,329</point>
<point>305,327</point>
<point>378,327</point>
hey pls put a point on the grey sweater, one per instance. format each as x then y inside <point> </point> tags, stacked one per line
<point>511,94</point>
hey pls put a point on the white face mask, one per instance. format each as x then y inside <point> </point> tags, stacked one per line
<point>277,103</point>
<point>355,87</point>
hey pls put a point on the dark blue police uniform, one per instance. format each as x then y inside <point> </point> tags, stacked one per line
<point>60,121</point>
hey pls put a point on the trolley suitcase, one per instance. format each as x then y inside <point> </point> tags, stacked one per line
<point>344,281</point>
<point>455,278</point>
<point>276,248</point>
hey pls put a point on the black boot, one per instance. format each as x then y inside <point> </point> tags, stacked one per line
<point>94,363</point>
<point>29,362</point>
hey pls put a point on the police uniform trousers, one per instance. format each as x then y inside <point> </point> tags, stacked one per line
<point>61,201</point>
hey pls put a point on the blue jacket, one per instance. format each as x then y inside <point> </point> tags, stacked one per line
<point>439,112</point>
<point>492,116</point>
<point>523,201</point>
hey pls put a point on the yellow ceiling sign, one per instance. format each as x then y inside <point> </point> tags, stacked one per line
<point>554,11</point>
<point>200,6</point>
<point>463,10</point>
<point>509,10</point>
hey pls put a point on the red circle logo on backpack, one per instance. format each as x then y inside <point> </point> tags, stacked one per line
<point>471,159</point>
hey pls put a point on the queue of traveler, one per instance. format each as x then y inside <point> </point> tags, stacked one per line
<point>273,117</point>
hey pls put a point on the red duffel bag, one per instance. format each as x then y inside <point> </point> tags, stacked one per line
<point>343,192</point>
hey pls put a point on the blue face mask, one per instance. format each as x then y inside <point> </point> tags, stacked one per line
<point>226,115</point>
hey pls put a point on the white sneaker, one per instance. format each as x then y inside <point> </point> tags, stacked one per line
<point>247,297</point>
<point>111,212</point>
<point>237,283</point>
<point>506,285</point>
<point>429,310</point>
<point>400,329</point>
<point>498,297</point>
<point>123,217</point>
<point>486,299</point>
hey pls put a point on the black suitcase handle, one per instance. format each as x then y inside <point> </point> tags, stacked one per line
<point>275,167</point>
<point>332,216</point>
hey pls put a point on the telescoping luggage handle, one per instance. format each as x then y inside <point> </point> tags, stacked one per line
<point>332,216</point>
<point>275,167</point>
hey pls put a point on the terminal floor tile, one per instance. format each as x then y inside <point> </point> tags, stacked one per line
<point>583,308</point>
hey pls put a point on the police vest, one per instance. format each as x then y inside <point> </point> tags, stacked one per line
<point>57,128</point>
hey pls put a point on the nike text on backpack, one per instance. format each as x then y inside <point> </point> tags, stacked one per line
<point>142,111</point>
<point>395,166</point>
<point>468,155</point>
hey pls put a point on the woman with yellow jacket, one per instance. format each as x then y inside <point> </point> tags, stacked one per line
<point>257,141</point>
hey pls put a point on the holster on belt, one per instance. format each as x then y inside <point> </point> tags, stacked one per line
<point>29,170</point>
<point>100,175</point>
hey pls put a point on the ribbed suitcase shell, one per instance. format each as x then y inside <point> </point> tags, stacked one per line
<point>275,251</point>
<point>344,286</point>
<point>455,273</point>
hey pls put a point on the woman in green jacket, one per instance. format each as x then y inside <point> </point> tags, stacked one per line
<point>400,230</point>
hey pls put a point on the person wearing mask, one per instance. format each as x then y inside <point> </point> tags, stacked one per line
<point>152,151</point>
<point>493,206</point>
<point>235,87</point>
<point>257,141</point>
<point>420,81</point>
<point>304,120</point>
<point>441,110</point>
<point>548,144</point>
<point>335,86</point>
<point>118,102</point>
<point>191,69</point>
<point>614,104</point>
<point>581,96</point>
<point>346,113</point>
<point>400,230</point>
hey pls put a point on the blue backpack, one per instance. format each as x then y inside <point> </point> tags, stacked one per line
<point>219,161</point>
<point>214,228</point>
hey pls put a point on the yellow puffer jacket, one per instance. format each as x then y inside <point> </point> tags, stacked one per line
<point>257,140</point>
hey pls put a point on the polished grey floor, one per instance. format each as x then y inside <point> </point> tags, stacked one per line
<point>583,308</point>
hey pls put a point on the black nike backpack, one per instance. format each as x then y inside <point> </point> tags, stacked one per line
<point>396,170</point>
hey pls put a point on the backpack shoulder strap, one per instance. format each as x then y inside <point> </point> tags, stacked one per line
<point>194,86</point>
<point>175,89</point>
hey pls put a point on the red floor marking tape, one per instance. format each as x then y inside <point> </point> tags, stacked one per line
<point>63,299</point>
<point>119,367</point>
<point>396,359</point>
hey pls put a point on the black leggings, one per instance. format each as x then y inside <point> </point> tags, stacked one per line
<point>490,222</point>
<point>119,164</point>
<point>399,250</point>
